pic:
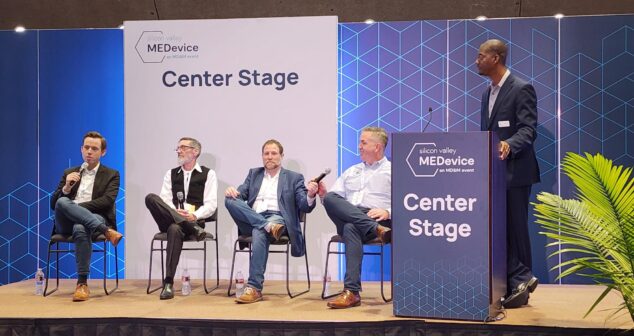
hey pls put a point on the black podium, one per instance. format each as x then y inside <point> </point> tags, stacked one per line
<point>448,215</point>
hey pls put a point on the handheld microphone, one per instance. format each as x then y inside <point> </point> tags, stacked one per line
<point>180,196</point>
<point>81,171</point>
<point>322,175</point>
<point>428,120</point>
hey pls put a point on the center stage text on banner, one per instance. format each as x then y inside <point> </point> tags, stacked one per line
<point>452,231</point>
<point>246,78</point>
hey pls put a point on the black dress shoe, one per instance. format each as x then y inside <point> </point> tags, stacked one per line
<point>167,292</point>
<point>518,297</point>
<point>201,234</point>
<point>532,284</point>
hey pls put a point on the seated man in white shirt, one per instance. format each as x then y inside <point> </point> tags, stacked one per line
<point>84,203</point>
<point>267,205</point>
<point>187,198</point>
<point>359,205</point>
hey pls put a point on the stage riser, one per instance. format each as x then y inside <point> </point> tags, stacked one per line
<point>160,327</point>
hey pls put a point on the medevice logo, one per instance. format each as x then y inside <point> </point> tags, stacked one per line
<point>155,46</point>
<point>428,160</point>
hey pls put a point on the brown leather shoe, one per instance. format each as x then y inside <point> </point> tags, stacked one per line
<point>82,293</point>
<point>277,230</point>
<point>384,233</point>
<point>347,299</point>
<point>113,236</point>
<point>250,295</point>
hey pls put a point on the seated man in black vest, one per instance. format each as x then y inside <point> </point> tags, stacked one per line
<point>187,198</point>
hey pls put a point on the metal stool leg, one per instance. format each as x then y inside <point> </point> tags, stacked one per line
<point>233,263</point>
<point>382,291</point>
<point>48,269</point>
<point>105,270</point>
<point>288,289</point>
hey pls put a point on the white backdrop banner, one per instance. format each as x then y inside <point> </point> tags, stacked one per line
<point>231,84</point>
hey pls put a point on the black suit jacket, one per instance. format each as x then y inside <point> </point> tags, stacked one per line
<point>291,200</point>
<point>104,193</point>
<point>514,119</point>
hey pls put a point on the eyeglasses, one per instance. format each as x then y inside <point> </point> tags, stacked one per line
<point>182,148</point>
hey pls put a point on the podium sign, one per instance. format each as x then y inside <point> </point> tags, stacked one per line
<point>448,218</point>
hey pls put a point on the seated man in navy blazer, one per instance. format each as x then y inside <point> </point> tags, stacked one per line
<point>509,108</point>
<point>84,204</point>
<point>267,205</point>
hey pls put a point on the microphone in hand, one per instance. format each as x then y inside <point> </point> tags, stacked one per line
<point>181,200</point>
<point>321,176</point>
<point>81,171</point>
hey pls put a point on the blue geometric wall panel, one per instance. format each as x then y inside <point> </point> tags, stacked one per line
<point>59,85</point>
<point>597,92</point>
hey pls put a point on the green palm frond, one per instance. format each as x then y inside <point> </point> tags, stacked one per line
<point>598,228</point>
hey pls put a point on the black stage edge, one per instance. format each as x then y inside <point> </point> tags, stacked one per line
<point>160,327</point>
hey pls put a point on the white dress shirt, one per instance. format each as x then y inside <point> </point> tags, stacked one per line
<point>267,196</point>
<point>495,89</point>
<point>368,186</point>
<point>86,184</point>
<point>210,198</point>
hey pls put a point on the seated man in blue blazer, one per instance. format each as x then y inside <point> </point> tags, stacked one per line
<point>267,205</point>
<point>509,108</point>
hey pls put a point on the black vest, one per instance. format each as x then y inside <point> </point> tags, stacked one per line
<point>196,195</point>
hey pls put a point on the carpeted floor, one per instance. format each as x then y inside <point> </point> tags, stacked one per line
<point>550,305</point>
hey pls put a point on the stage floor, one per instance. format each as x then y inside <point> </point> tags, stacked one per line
<point>550,306</point>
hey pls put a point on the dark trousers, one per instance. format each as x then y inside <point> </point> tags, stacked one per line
<point>518,245</point>
<point>355,227</point>
<point>177,228</point>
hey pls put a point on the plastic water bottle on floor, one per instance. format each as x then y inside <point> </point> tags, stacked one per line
<point>39,282</point>
<point>327,285</point>
<point>239,284</point>
<point>186,286</point>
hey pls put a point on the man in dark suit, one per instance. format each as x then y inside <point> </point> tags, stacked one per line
<point>84,204</point>
<point>267,205</point>
<point>509,108</point>
<point>187,199</point>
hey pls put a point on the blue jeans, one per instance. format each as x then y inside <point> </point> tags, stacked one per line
<point>251,223</point>
<point>70,218</point>
<point>355,227</point>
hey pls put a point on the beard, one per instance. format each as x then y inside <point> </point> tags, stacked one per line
<point>181,160</point>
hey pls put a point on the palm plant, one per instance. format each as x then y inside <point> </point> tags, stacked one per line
<point>598,228</point>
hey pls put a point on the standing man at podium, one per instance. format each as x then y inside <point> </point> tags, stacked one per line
<point>509,108</point>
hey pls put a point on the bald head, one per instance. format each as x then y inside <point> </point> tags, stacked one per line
<point>495,47</point>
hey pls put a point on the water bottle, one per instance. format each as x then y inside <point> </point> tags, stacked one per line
<point>239,284</point>
<point>39,282</point>
<point>327,285</point>
<point>186,286</point>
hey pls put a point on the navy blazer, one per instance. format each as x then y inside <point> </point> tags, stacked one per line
<point>104,193</point>
<point>291,199</point>
<point>514,119</point>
